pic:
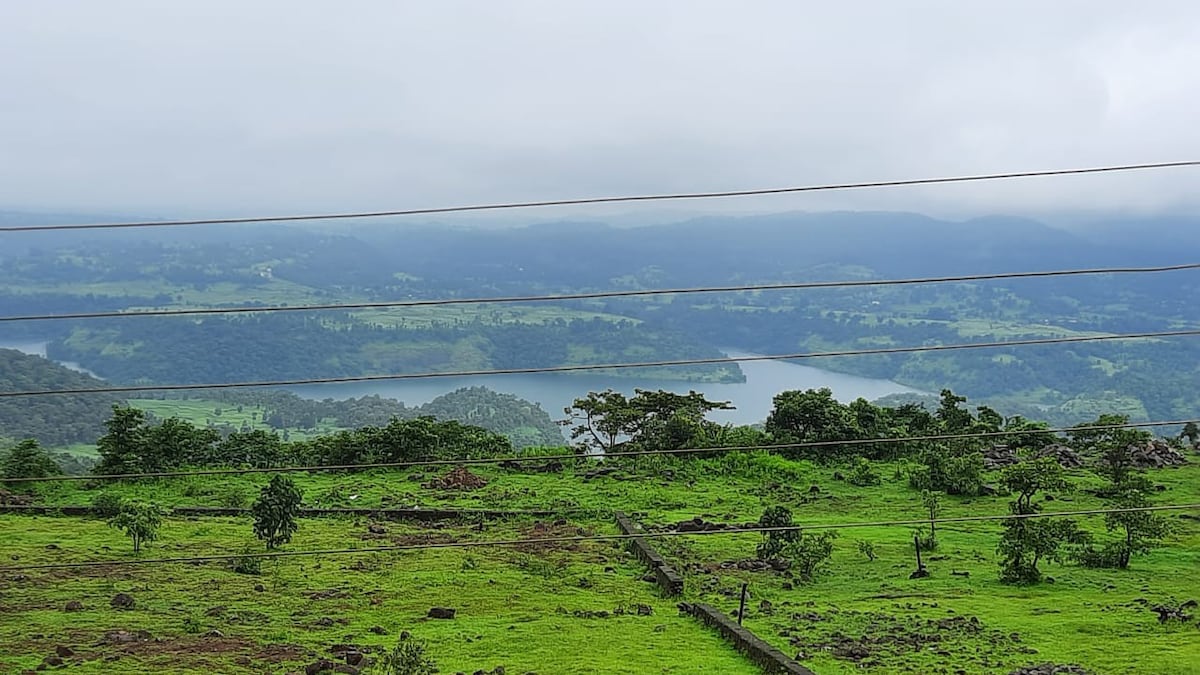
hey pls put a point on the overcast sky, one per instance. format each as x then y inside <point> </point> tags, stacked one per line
<point>190,106</point>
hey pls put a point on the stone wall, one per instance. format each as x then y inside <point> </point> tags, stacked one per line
<point>770,659</point>
<point>664,575</point>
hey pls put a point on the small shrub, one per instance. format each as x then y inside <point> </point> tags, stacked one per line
<point>867,549</point>
<point>407,658</point>
<point>192,625</point>
<point>926,540</point>
<point>235,498</point>
<point>863,474</point>
<point>808,553</point>
<point>107,504</point>
<point>247,564</point>
<point>469,563</point>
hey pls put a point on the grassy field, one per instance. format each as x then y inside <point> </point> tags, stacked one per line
<point>857,614</point>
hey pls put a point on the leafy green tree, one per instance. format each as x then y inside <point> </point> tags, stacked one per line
<point>139,522</point>
<point>1027,541</point>
<point>653,420</point>
<point>773,542</point>
<point>943,469</point>
<point>951,416</point>
<point>1192,433</point>
<point>28,460</point>
<point>809,416</point>
<point>275,511</point>
<point>122,447</point>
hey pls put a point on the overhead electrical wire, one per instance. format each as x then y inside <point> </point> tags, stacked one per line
<point>607,200</point>
<point>387,304</point>
<point>600,366</point>
<point>460,544</point>
<point>887,440</point>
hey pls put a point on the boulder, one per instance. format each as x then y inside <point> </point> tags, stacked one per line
<point>442,613</point>
<point>122,601</point>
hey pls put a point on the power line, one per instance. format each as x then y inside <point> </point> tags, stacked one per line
<point>599,294</point>
<point>459,544</point>
<point>607,200</point>
<point>600,366</point>
<point>607,455</point>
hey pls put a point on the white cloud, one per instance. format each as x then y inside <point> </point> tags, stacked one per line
<point>222,106</point>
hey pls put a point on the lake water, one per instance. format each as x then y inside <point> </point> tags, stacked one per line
<point>554,391</point>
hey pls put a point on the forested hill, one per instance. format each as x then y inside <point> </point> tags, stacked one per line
<point>523,422</point>
<point>53,420</point>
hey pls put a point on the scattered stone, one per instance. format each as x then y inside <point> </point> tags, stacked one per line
<point>441,613</point>
<point>957,573</point>
<point>74,606</point>
<point>52,547</point>
<point>324,622</point>
<point>122,601</point>
<point>214,633</point>
<point>375,528</point>
<point>1155,454</point>
<point>1168,613</point>
<point>54,661</point>
<point>64,651</point>
<point>259,588</point>
<point>319,666</point>
<point>380,630</point>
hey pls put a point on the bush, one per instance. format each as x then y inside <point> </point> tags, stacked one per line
<point>407,658</point>
<point>235,498</point>
<point>107,504</point>
<point>247,564</point>
<point>808,553</point>
<point>867,549</point>
<point>862,473</point>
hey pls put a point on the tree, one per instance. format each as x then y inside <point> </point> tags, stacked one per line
<point>1027,541</point>
<point>1192,433</point>
<point>813,415</point>
<point>804,553</point>
<point>121,448</point>
<point>28,460</point>
<point>140,522</point>
<point>275,511</point>
<point>941,469</point>
<point>601,419</point>
<point>932,502</point>
<point>653,420</point>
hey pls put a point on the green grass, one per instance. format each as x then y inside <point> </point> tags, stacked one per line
<point>201,412</point>
<point>514,608</point>
<point>1076,619</point>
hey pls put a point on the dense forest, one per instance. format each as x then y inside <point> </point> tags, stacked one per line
<point>53,420</point>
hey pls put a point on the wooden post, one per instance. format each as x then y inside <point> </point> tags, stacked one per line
<point>917,548</point>
<point>742,606</point>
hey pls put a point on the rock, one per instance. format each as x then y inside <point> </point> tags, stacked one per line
<point>644,610</point>
<point>53,661</point>
<point>324,622</point>
<point>1065,456</point>
<point>404,635</point>
<point>919,574</point>
<point>64,652</point>
<point>1155,454</point>
<point>122,601</point>
<point>814,489</point>
<point>374,528</point>
<point>345,668</point>
<point>319,666</point>
<point>998,457</point>
<point>52,547</point>
<point>354,658</point>
<point>441,613</point>
<point>259,588</point>
<point>74,606</point>
<point>380,630</point>
<point>214,633</point>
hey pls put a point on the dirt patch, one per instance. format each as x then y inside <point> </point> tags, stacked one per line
<point>459,478</point>
<point>874,639</point>
<point>552,530</point>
